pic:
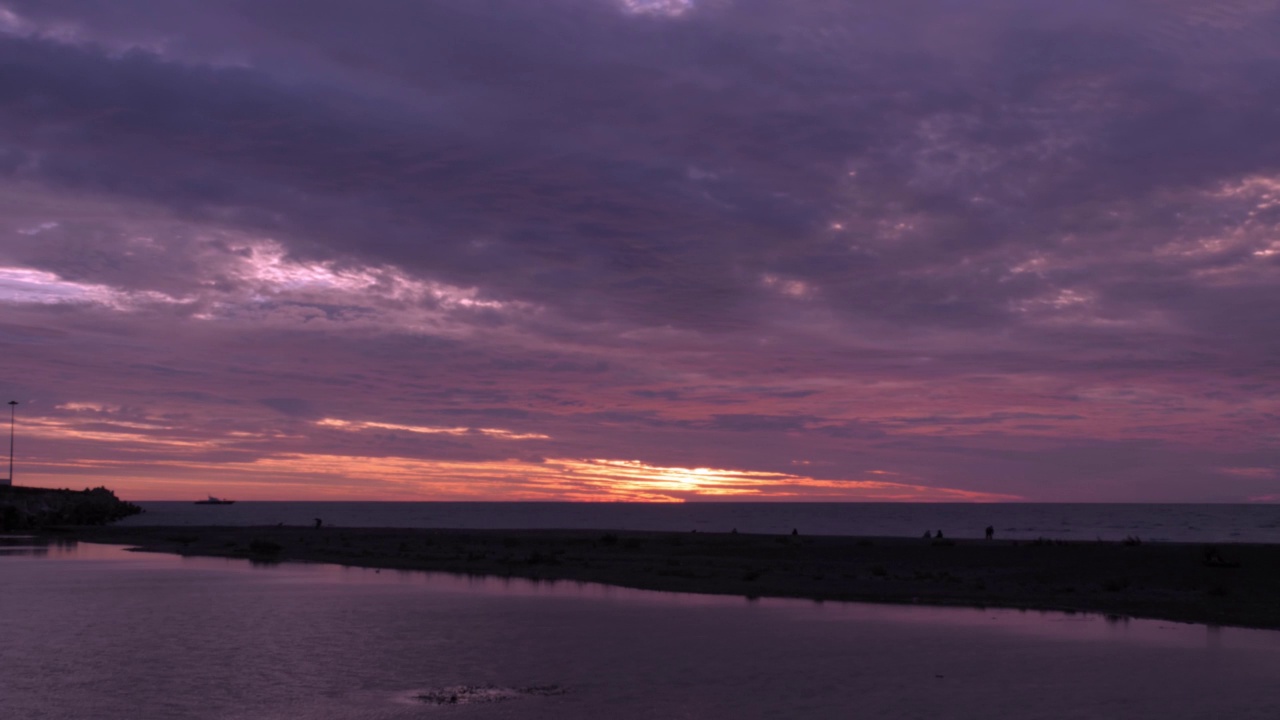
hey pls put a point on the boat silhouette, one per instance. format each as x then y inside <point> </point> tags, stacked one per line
<point>215,501</point>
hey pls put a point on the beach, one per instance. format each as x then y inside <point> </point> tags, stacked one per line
<point>1226,584</point>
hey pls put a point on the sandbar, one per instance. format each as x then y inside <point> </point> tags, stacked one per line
<point>1227,584</point>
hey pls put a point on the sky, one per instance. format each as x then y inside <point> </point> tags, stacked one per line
<point>660,250</point>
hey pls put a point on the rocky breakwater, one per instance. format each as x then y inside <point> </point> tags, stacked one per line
<point>28,508</point>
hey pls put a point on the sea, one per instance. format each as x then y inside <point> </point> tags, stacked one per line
<point>90,631</point>
<point>1198,523</point>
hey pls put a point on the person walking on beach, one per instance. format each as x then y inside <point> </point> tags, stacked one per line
<point>319,522</point>
<point>991,532</point>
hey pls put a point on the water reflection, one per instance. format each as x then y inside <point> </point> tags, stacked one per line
<point>108,633</point>
<point>35,545</point>
<point>23,550</point>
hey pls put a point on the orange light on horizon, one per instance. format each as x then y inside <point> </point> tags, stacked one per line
<point>342,477</point>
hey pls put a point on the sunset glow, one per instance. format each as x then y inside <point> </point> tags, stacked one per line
<point>597,480</point>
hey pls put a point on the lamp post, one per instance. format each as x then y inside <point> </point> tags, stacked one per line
<point>13,408</point>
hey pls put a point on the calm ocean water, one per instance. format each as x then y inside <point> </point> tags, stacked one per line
<point>92,631</point>
<point>1188,523</point>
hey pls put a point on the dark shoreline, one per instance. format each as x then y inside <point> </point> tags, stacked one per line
<point>1236,584</point>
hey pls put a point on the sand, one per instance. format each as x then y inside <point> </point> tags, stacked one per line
<point>1231,584</point>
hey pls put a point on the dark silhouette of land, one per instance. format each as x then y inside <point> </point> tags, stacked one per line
<point>1234,584</point>
<point>30,508</point>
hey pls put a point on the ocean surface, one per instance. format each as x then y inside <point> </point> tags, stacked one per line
<point>1186,523</point>
<point>93,631</point>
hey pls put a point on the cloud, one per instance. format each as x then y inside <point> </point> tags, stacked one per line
<point>720,234</point>
<point>294,407</point>
<point>423,430</point>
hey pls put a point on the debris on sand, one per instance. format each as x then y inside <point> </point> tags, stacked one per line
<point>468,694</point>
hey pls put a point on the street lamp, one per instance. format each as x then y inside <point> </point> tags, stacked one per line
<point>13,408</point>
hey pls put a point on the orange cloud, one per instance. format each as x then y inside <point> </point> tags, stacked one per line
<point>101,430</point>
<point>1255,473</point>
<point>429,430</point>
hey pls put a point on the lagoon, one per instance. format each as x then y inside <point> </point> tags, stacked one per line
<point>97,631</point>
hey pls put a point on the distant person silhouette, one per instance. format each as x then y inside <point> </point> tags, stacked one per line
<point>319,522</point>
<point>991,532</point>
<point>928,535</point>
<point>939,535</point>
<point>795,531</point>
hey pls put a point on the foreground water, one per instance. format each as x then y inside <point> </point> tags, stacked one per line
<point>1184,523</point>
<point>96,632</point>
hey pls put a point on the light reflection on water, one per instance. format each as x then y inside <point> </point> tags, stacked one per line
<point>95,631</point>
